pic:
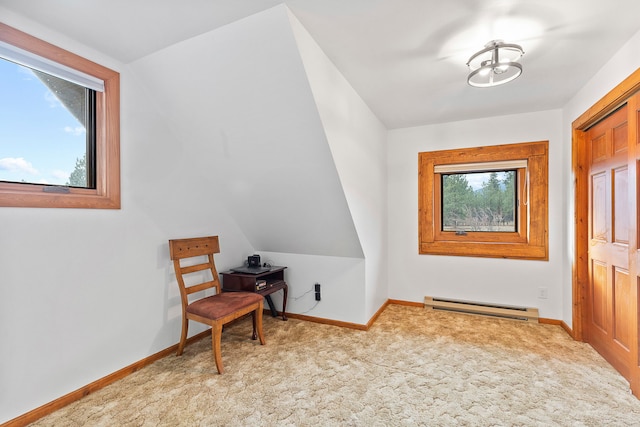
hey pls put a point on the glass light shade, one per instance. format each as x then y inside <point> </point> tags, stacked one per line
<point>494,65</point>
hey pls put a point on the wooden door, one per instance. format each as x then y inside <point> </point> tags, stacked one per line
<point>612,302</point>
<point>633,107</point>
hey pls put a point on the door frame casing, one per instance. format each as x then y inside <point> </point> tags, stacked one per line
<point>580,168</point>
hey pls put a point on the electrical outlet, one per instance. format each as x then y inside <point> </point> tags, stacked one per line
<point>317,290</point>
<point>543,293</point>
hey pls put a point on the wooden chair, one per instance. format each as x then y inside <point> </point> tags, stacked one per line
<point>215,310</point>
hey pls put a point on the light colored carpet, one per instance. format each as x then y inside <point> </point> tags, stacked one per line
<point>412,368</point>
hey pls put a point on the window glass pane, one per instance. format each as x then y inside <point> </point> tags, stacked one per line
<point>479,201</point>
<point>43,128</point>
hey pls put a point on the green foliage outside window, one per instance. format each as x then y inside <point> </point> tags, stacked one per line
<point>479,201</point>
<point>78,178</point>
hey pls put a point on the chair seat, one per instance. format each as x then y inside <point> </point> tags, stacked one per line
<point>220,305</point>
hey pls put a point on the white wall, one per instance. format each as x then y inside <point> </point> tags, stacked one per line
<point>86,292</point>
<point>358,145</point>
<point>622,64</point>
<point>204,122</point>
<point>242,88</point>
<point>342,284</point>
<point>516,282</point>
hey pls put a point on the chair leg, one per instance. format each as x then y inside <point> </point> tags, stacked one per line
<point>183,337</point>
<point>216,337</point>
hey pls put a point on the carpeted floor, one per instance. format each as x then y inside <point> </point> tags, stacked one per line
<point>412,368</point>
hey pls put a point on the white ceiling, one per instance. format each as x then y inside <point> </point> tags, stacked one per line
<point>406,58</point>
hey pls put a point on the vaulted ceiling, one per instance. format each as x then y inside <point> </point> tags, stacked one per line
<point>405,58</point>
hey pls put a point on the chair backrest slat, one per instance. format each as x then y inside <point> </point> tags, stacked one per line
<point>200,287</point>
<point>187,248</point>
<point>180,249</point>
<point>194,268</point>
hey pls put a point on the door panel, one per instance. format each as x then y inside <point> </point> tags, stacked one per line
<point>599,209</point>
<point>636,336</point>
<point>599,295</point>
<point>620,138</point>
<point>621,208</point>
<point>599,148</point>
<point>611,205</point>
<point>622,310</point>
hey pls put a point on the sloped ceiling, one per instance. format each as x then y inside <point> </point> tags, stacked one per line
<point>239,98</point>
<point>128,30</point>
<point>405,58</point>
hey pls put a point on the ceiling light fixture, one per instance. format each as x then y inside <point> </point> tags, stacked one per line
<point>494,65</point>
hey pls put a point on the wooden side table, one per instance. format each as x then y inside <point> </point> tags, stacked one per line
<point>236,282</point>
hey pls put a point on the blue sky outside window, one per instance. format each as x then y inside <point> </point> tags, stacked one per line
<point>42,134</point>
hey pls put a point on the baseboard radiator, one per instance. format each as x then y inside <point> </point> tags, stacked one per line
<point>482,309</point>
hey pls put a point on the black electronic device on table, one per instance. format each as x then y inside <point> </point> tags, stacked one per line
<point>253,260</point>
<point>250,270</point>
<point>253,266</point>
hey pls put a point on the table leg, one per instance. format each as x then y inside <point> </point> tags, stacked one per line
<point>284,301</point>
<point>272,307</point>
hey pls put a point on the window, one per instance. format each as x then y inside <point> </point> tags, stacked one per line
<point>479,201</point>
<point>485,201</point>
<point>59,127</point>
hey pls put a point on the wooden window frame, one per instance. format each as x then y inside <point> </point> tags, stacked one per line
<point>106,195</point>
<point>530,241</point>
